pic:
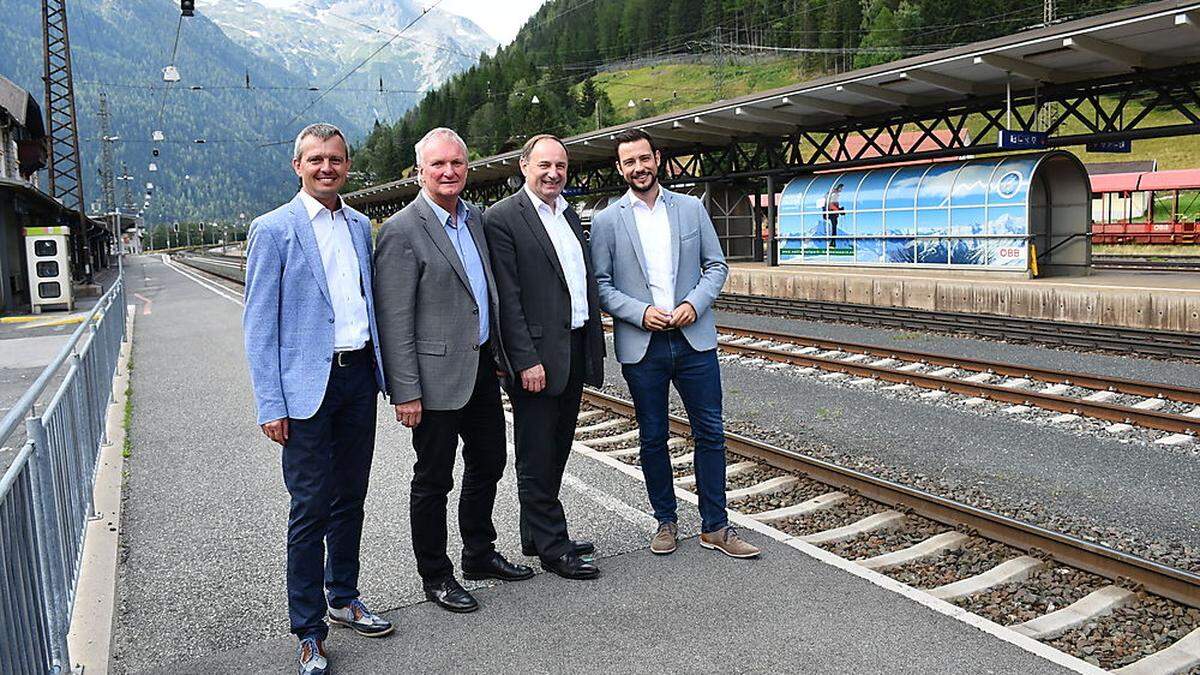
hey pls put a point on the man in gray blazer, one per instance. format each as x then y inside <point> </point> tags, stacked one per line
<point>437,309</point>
<point>659,267</point>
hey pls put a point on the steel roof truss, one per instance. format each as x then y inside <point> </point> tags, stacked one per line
<point>946,82</point>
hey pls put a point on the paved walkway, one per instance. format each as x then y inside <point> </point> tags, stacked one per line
<point>201,584</point>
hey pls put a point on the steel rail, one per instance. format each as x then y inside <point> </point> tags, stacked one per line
<point>1106,411</point>
<point>1152,419</point>
<point>1149,264</point>
<point>1177,584</point>
<point>1117,384</point>
<point>1116,338</point>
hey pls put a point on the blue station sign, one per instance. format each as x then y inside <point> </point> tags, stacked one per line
<point>1021,140</point>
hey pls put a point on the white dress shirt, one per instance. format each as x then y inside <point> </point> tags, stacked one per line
<point>654,229</point>
<point>570,253</point>
<point>351,329</point>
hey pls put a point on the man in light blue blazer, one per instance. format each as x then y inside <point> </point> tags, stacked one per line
<point>312,346</point>
<point>659,267</point>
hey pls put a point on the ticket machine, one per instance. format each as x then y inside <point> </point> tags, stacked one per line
<point>47,249</point>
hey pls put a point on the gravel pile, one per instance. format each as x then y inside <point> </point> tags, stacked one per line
<point>752,477</point>
<point>914,530</point>
<point>976,556</point>
<point>1043,592</point>
<point>846,512</point>
<point>803,491</point>
<point>1129,539</point>
<point>1146,625</point>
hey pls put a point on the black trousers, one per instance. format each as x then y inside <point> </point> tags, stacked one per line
<point>543,430</point>
<point>480,424</point>
<point>326,466</point>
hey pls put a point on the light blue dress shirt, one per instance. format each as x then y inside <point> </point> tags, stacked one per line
<point>468,255</point>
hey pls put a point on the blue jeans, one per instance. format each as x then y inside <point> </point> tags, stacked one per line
<point>670,359</point>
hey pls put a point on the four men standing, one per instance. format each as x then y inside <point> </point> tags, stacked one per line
<point>466,301</point>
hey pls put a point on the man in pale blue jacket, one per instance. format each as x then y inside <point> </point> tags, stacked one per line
<point>659,268</point>
<point>312,345</point>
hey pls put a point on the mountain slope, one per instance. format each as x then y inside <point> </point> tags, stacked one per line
<point>322,40</point>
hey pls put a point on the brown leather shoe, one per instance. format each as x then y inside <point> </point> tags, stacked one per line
<point>727,541</point>
<point>664,540</point>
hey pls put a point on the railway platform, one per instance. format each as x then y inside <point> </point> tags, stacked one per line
<point>1144,300</point>
<point>201,582</point>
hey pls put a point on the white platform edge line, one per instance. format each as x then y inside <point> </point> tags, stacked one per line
<point>941,606</point>
<point>202,282</point>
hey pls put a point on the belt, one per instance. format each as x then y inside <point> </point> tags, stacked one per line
<point>351,357</point>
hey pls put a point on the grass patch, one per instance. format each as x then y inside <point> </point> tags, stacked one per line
<point>127,450</point>
<point>1161,250</point>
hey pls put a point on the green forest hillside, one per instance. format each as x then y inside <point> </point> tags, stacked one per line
<point>592,63</point>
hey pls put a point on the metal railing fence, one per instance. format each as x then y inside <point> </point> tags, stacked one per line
<point>46,493</point>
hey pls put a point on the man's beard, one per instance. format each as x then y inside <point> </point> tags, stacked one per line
<point>642,191</point>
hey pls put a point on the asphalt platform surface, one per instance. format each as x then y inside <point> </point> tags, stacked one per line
<point>201,578</point>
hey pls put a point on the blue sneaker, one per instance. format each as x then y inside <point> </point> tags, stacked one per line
<point>312,657</point>
<point>356,616</point>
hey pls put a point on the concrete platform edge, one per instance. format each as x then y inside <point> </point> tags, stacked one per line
<point>883,581</point>
<point>89,639</point>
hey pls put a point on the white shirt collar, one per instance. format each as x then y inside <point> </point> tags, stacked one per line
<point>560,204</point>
<point>314,207</point>
<point>634,200</point>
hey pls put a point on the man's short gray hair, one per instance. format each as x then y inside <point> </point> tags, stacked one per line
<point>439,131</point>
<point>322,131</point>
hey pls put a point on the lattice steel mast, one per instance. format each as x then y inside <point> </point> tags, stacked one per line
<point>66,181</point>
<point>108,189</point>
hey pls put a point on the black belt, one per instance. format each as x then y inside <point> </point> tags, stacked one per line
<point>353,357</point>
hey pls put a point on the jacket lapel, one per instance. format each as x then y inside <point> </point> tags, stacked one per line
<point>360,250</point>
<point>437,232</point>
<point>475,227</point>
<point>631,230</point>
<point>673,220</point>
<point>308,241</point>
<point>534,222</point>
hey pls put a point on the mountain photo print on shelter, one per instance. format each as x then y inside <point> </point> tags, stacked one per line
<point>974,214</point>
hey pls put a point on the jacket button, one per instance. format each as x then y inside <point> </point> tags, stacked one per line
<point>475,310</point>
<point>328,359</point>
<point>331,320</point>
<point>475,347</point>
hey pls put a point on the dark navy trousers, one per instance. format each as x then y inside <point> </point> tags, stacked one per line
<point>326,467</point>
<point>670,360</point>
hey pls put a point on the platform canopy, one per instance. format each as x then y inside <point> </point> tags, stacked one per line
<point>1146,37</point>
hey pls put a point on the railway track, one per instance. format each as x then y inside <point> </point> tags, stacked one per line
<point>1150,405</point>
<point>953,551</point>
<point>1111,338</point>
<point>1181,263</point>
<point>1120,401</point>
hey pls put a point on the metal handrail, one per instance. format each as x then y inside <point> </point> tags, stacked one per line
<point>16,415</point>
<point>46,494</point>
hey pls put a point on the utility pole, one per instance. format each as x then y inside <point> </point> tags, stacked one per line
<point>1048,111</point>
<point>107,189</point>
<point>66,181</point>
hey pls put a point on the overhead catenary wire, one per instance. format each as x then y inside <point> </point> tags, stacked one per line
<point>360,64</point>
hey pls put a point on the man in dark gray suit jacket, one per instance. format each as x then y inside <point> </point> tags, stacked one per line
<point>550,320</point>
<point>437,308</point>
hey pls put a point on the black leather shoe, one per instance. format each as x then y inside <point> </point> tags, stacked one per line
<point>581,548</point>
<point>570,566</point>
<point>496,567</point>
<point>451,596</point>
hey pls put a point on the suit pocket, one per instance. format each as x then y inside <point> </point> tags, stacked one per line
<point>688,236</point>
<point>431,347</point>
<point>535,331</point>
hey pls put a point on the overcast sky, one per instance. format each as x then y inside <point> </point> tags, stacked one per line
<point>500,18</point>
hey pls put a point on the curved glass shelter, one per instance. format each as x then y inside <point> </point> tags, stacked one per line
<point>987,213</point>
